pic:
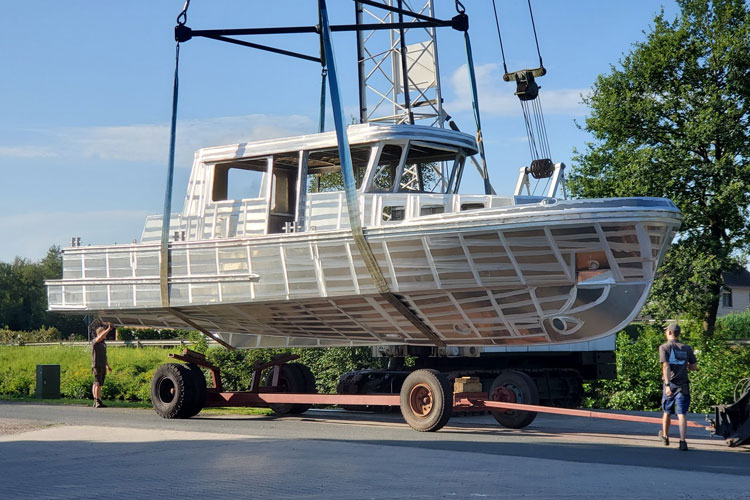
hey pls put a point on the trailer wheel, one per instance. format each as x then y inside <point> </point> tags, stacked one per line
<point>514,387</point>
<point>308,377</point>
<point>426,400</point>
<point>198,380</point>
<point>291,379</point>
<point>172,393</point>
<point>309,386</point>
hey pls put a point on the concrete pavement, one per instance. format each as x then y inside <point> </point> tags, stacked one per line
<point>86,453</point>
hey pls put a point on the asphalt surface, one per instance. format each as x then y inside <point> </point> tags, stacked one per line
<point>50,451</point>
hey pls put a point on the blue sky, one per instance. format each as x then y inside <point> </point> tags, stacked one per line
<point>86,86</point>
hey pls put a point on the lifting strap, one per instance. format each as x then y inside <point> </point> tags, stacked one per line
<point>352,203</point>
<point>164,261</point>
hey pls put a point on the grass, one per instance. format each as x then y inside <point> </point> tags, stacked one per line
<point>132,369</point>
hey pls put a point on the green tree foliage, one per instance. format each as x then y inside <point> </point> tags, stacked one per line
<point>23,295</point>
<point>673,121</point>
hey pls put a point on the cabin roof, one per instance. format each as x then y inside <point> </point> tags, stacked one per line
<point>357,134</point>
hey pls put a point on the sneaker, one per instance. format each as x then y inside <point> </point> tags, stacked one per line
<point>664,439</point>
<point>683,446</point>
<point>99,404</point>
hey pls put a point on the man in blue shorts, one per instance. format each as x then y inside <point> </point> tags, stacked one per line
<point>676,360</point>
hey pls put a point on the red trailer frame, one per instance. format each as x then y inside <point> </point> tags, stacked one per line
<point>416,403</point>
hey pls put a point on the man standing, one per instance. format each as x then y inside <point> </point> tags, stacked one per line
<point>99,364</point>
<point>676,359</point>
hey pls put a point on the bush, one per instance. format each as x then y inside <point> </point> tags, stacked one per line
<point>734,326</point>
<point>328,364</point>
<point>638,384</point>
<point>76,383</point>
<point>43,334</point>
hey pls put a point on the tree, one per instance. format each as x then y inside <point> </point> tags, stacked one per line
<point>673,121</point>
<point>23,294</point>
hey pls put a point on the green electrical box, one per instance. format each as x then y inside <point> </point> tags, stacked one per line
<point>48,381</point>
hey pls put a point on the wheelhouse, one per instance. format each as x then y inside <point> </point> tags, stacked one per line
<point>296,184</point>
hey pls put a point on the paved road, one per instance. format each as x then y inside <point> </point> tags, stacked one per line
<point>78,452</point>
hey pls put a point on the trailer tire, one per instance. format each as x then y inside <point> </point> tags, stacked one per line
<point>514,387</point>
<point>309,383</point>
<point>291,379</point>
<point>308,376</point>
<point>426,400</point>
<point>198,380</point>
<point>172,392</point>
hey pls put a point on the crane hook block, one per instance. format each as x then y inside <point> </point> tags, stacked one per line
<point>526,87</point>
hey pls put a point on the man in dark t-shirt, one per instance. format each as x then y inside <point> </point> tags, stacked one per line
<point>99,364</point>
<point>676,360</point>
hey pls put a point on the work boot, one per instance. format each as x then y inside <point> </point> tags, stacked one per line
<point>683,446</point>
<point>664,439</point>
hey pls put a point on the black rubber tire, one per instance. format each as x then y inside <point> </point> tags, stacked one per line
<point>198,380</point>
<point>291,379</point>
<point>307,376</point>
<point>309,383</point>
<point>525,392</point>
<point>172,392</point>
<point>434,387</point>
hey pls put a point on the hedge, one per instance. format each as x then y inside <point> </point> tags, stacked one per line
<point>638,384</point>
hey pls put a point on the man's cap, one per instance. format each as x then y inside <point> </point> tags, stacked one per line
<point>674,328</point>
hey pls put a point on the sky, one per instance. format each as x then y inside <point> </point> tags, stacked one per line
<point>86,94</point>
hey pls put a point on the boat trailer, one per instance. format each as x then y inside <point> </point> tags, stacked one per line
<point>426,399</point>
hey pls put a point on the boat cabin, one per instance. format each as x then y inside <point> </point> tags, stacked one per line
<point>289,185</point>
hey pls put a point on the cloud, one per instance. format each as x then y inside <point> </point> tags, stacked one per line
<point>149,143</point>
<point>496,97</point>
<point>26,152</point>
<point>30,234</point>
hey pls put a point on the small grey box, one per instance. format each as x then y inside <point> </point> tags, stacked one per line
<point>48,381</point>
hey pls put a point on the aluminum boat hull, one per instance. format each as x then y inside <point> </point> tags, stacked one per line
<point>536,273</point>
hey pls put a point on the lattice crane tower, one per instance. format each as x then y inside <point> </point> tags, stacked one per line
<point>382,57</point>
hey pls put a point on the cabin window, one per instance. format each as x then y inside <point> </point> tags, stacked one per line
<point>384,174</point>
<point>392,214</point>
<point>324,169</point>
<point>239,181</point>
<point>726,299</point>
<point>471,206</point>
<point>427,168</point>
<point>432,209</point>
